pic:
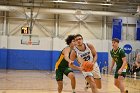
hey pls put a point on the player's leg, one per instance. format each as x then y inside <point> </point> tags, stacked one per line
<point>73,81</point>
<point>121,84</point>
<point>97,76</point>
<point>60,86</point>
<point>91,81</point>
<point>116,83</point>
<point>98,83</point>
<point>89,78</point>
<point>69,73</point>
<point>59,79</point>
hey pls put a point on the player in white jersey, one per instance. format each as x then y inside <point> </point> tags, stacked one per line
<point>88,53</point>
<point>87,56</point>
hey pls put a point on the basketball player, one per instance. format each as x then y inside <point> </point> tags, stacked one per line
<point>87,52</point>
<point>118,57</point>
<point>62,65</point>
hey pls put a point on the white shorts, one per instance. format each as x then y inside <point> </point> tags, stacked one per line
<point>95,72</point>
<point>87,74</point>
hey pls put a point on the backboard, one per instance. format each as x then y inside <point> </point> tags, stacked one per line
<point>30,39</point>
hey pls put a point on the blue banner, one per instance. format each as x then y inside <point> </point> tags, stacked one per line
<point>138,30</point>
<point>117,28</point>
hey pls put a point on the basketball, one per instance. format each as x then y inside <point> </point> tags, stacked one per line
<point>87,66</point>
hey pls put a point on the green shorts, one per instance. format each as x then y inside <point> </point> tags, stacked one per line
<point>122,74</point>
<point>60,71</point>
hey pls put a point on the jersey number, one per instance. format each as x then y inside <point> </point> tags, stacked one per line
<point>87,58</point>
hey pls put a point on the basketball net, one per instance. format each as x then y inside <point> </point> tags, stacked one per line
<point>29,42</point>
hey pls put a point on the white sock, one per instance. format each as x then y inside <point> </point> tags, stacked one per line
<point>73,90</point>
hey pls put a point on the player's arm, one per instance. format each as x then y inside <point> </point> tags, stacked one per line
<point>73,57</point>
<point>124,62</point>
<point>80,60</point>
<point>66,52</point>
<point>94,53</point>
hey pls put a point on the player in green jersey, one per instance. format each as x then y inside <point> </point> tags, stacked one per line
<point>118,57</point>
<point>62,65</point>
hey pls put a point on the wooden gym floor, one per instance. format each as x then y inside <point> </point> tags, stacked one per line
<point>27,81</point>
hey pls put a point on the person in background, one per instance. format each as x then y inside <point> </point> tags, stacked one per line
<point>137,62</point>
<point>136,65</point>
<point>118,57</point>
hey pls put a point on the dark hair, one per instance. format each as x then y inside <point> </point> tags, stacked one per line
<point>116,40</point>
<point>69,39</point>
<point>78,35</point>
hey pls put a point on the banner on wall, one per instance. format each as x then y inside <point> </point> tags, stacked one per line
<point>117,28</point>
<point>138,30</point>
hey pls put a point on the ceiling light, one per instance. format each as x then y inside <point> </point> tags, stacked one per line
<point>107,4</point>
<point>60,1</point>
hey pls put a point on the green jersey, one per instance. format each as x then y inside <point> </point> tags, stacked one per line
<point>61,62</point>
<point>117,57</point>
<point>62,67</point>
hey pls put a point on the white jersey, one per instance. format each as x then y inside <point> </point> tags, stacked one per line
<point>86,54</point>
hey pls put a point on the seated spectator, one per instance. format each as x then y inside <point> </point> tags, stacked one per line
<point>136,65</point>
<point>138,60</point>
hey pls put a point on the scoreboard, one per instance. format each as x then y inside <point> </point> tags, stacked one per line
<point>25,30</point>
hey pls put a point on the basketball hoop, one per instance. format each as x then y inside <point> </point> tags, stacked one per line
<point>29,39</point>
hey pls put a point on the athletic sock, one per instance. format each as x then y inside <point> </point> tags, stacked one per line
<point>73,91</point>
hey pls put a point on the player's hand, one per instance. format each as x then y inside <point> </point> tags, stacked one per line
<point>119,71</point>
<point>71,62</point>
<point>80,69</point>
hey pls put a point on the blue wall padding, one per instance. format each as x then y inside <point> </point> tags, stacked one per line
<point>3,58</point>
<point>102,59</point>
<point>55,56</point>
<point>29,59</point>
<point>36,59</point>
